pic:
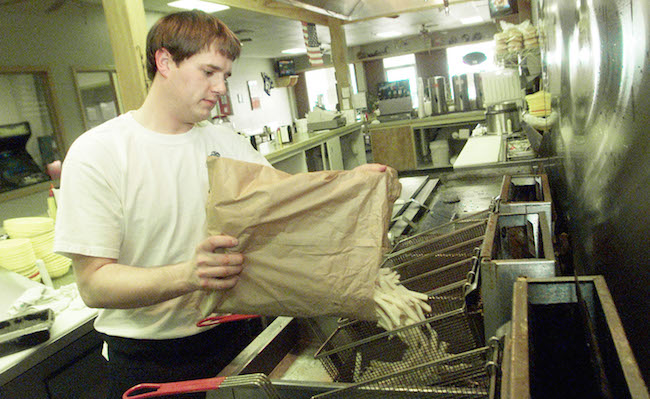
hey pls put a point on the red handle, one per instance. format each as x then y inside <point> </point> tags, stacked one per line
<point>152,390</point>
<point>210,321</point>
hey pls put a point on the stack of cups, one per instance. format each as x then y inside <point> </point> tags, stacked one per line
<point>40,231</point>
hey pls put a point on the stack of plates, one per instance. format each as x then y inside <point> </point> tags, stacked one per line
<point>17,255</point>
<point>40,231</point>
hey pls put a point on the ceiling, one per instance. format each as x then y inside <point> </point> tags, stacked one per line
<point>267,27</point>
<point>362,20</point>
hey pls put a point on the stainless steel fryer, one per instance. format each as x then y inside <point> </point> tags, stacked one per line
<point>515,245</point>
<point>530,193</point>
<point>442,262</point>
<point>547,351</point>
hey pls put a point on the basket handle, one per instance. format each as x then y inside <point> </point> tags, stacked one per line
<point>152,390</point>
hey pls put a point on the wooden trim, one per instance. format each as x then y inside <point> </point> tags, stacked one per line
<point>128,31</point>
<point>106,68</point>
<point>437,4</point>
<point>27,190</point>
<point>278,9</point>
<point>53,109</point>
<point>339,59</point>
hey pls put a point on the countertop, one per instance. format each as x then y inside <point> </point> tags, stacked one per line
<point>13,361</point>
<point>435,120</point>
<point>276,152</point>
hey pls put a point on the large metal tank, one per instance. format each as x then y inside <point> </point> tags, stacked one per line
<point>596,56</point>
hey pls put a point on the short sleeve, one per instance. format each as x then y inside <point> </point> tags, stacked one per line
<point>89,215</point>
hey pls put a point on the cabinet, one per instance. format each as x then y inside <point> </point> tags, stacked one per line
<point>72,367</point>
<point>338,149</point>
<point>404,145</point>
<point>394,146</point>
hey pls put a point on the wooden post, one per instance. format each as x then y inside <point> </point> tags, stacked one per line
<point>128,31</point>
<point>340,61</point>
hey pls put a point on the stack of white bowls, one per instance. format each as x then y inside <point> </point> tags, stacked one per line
<point>40,231</point>
<point>18,256</point>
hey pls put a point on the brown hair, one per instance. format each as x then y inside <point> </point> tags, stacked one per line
<point>186,33</point>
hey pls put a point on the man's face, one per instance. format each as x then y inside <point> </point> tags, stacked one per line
<point>197,82</point>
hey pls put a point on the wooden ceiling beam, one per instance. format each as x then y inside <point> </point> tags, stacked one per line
<point>277,9</point>
<point>433,4</point>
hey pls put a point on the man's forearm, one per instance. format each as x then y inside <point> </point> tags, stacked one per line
<point>116,286</point>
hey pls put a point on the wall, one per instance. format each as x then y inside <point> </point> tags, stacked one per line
<point>76,35</point>
<point>71,36</point>
<point>430,50</point>
<point>432,63</point>
<point>374,71</point>
<point>599,79</point>
<point>426,42</point>
<point>274,110</point>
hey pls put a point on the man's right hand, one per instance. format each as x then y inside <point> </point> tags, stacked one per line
<point>213,268</point>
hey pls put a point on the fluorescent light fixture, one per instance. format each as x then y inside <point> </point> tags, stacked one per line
<point>198,5</point>
<point>388,34</point>
<point>471,20</point>
<point>297,50</point>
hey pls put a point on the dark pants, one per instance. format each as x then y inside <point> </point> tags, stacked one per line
<point>135,361</point>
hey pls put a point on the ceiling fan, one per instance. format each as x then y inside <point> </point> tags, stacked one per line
<point>425,29</point>
<point>243,39</point>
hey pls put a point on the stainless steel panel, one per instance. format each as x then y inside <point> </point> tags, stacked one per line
<point>597,66</point>
<point>499,270</point>
<point>538,337</point>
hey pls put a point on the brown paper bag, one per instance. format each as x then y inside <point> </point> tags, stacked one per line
<point>312,242</point>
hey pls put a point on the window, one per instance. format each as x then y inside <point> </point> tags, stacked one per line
<point>403,68</point>
<point>458,67</point>
<point>321,87</point>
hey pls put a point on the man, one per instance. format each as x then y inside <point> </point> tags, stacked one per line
<point>132,211</point>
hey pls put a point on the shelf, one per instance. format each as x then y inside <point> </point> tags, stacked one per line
<point>286,81</point>
<point>515,59</point>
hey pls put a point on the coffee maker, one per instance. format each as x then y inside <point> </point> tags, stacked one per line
<point>17,167</point>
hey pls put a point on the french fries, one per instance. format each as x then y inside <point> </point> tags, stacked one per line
<point>395,305</point>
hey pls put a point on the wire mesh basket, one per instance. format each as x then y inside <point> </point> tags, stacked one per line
<point>414,263</point>
<point>438,277</point>
<point>470,374</point>
<point>443,229</point>
<point>358,351</point>
<point>440,242</point>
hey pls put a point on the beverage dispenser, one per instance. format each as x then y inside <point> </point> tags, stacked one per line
<point>438,91</point>
<point>461,93</point>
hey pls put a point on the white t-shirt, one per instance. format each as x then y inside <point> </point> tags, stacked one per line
<point>139,196</point>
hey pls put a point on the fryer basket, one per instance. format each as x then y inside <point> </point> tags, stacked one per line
<point>443,229</point>
<point>438,243</point>
<point>415,263</point>
<point>470,374</point>
<point>359,350</point>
